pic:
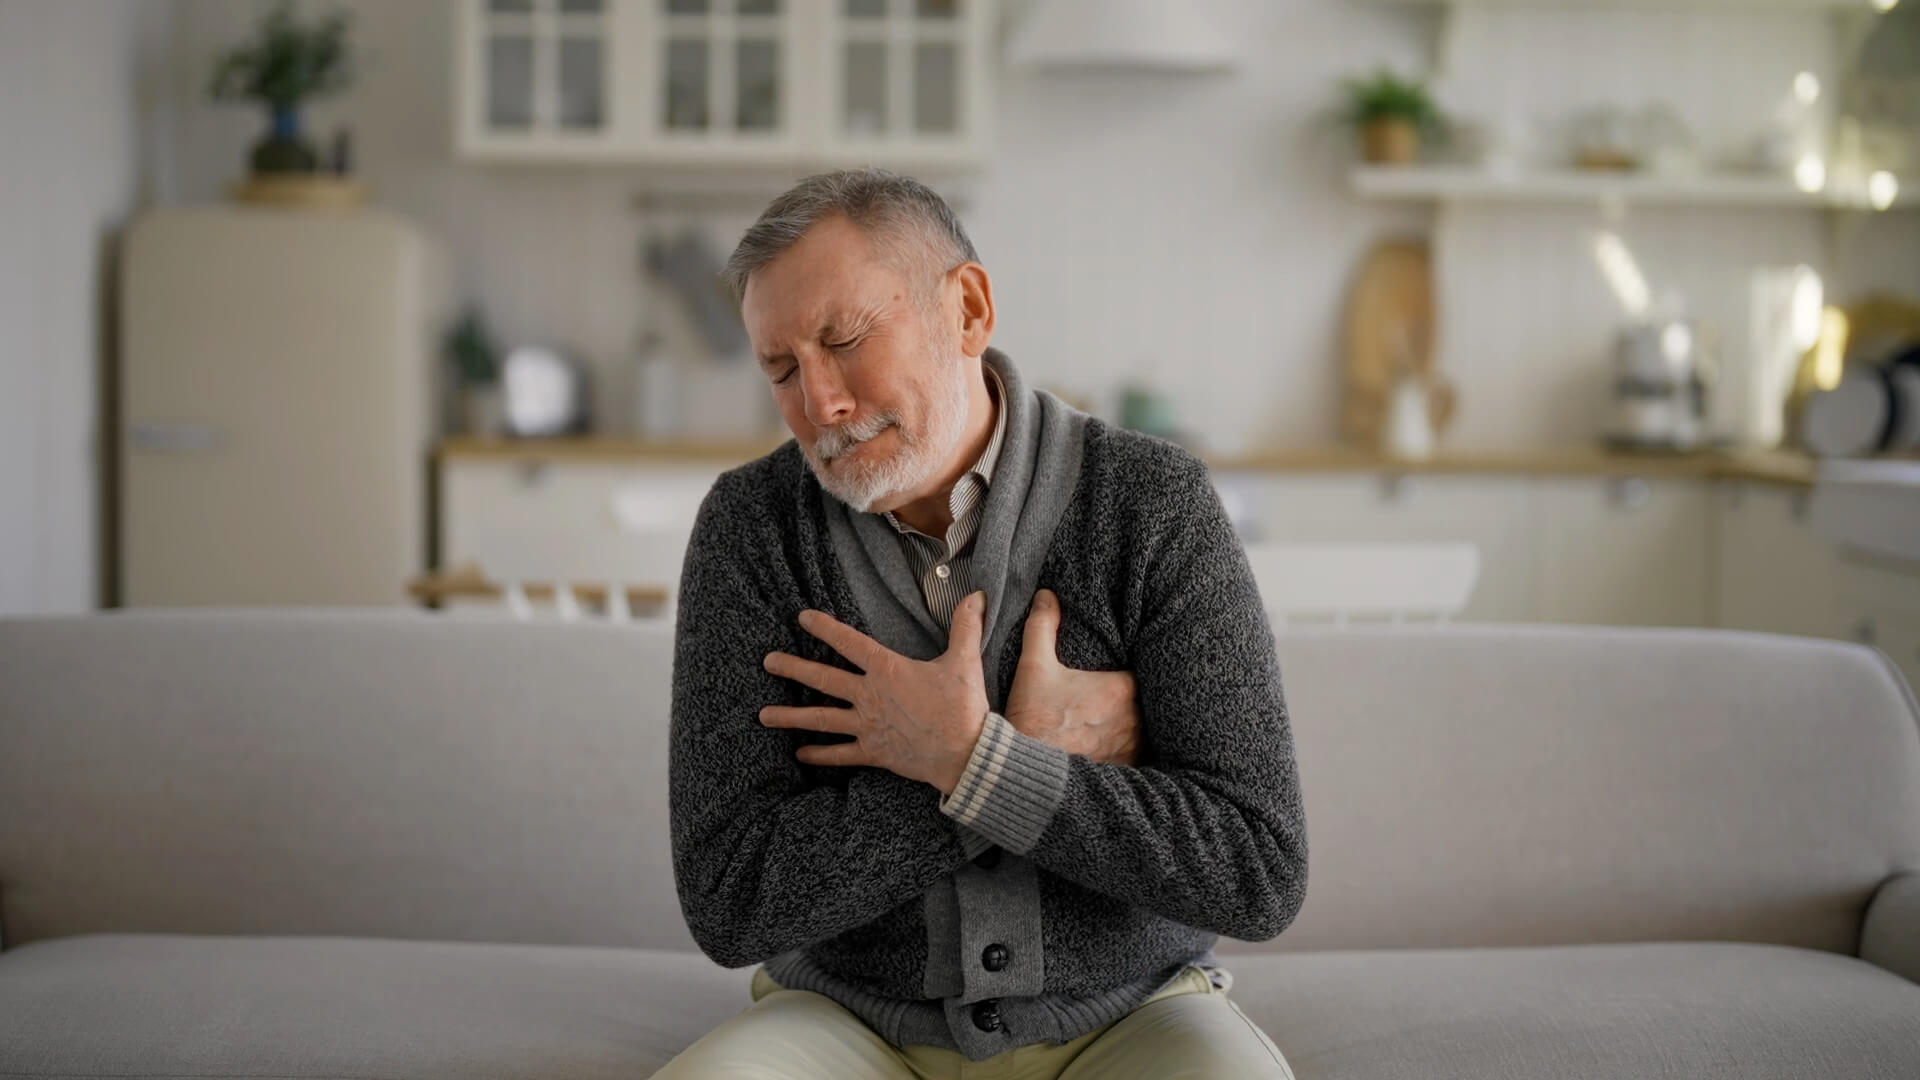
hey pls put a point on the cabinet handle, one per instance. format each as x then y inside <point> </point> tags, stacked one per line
<point>532,473</point>
<point>1631,492</point>
<point>173,438</point>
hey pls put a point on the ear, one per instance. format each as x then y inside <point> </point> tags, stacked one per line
<point>976,307</point>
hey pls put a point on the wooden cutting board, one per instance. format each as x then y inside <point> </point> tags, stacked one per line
<point>1390,325</point>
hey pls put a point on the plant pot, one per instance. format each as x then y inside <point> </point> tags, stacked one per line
<point>282,149</point>
<point>1391,142</point>
<point>482,410</point>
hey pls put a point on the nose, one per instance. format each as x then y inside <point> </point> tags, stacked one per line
<point>825,392</point>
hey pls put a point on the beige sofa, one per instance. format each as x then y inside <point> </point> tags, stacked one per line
<point>395,845</point>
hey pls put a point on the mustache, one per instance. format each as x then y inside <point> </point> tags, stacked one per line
<point>837,440</point>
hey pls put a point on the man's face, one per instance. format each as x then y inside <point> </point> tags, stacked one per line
<point>873,388</point>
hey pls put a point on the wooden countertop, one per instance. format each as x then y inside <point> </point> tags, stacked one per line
<point>1772,467</point>
<point>603,450</point>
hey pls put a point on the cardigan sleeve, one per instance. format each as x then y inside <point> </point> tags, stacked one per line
<point>764,859</point>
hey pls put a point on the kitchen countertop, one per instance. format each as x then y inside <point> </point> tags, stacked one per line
<point>1772,467</point>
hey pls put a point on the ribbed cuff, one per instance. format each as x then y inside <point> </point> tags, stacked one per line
<point>972,843</point>
<point>1011,788</point>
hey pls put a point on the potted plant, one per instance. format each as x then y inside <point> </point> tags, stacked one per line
<point>287,63</point>
<point>476,362</point>
<point>1392,114</point>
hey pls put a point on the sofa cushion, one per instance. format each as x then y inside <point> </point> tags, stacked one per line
<point>165,1005</point>
<point>157,1005</point>
<point>1701,1011</point>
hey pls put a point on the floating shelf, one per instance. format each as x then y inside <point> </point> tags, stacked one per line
<point>1709,5</point>
<point>1468,184</point>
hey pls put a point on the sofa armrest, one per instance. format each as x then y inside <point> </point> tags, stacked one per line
<point>1890,934</point>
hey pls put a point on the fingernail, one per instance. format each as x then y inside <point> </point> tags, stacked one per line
<point>1045,598</point>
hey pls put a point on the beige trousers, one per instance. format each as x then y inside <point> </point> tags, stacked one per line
<point>1190,1029</point>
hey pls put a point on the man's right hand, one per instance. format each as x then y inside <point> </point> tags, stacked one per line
<point>1091,713</point>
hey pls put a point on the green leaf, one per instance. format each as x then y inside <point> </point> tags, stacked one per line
<point>1386,96</point>
<point>287,62</point>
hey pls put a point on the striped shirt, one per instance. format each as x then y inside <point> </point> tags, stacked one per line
<point>945,567</point>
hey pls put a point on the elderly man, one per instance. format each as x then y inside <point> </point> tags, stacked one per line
<point>978,736</point>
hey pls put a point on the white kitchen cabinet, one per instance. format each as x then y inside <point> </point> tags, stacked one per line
<point>579,521</point>
<point>1880,603</point>
<point>1621,551</point>
<point>1488,512</point>
<point>536,77</point>
<point>1771,573</point>
<point>775,84</point>
<point>1630,551</point>
<point>906,82</point>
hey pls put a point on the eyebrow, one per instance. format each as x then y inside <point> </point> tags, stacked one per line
<point>829,329</point>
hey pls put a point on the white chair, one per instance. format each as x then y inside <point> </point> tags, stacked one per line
<point>1376,582</point>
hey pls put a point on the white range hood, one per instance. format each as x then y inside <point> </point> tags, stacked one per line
<point>1157,35</point>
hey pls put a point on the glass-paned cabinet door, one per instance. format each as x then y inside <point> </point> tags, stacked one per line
<point>722,76</point>
<point>907,77</point>
<point>537,73</point>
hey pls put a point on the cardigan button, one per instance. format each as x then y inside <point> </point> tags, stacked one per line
<point>986,1015</point>
<point>994,957</point>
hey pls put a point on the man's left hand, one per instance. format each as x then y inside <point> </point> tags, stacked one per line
<point>917,718</point>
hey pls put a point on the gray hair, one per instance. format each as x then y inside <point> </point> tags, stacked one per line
<point>907,220</point>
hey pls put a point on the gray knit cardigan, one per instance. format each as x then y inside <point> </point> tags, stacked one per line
<point>1099,881</point>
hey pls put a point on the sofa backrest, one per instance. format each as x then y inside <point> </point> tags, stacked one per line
<point>409,775</point>
<point>1489,785</point>
<point>349,772</point>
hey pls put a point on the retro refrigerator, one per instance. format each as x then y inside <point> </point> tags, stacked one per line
<point>278,400</point>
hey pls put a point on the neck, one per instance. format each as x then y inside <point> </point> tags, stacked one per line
<point>931,511</point>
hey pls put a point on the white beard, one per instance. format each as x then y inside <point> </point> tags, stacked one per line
<point>920,455</point>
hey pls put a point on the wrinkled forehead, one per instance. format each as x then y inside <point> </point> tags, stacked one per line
<point>815,287</point>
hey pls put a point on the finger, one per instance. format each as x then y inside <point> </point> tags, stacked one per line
<point>810,718</point>
<point>968,616</point>
<point>829,680</point>
<point>848,642</point>
<point>849,753</point>
<point>1038,644</point>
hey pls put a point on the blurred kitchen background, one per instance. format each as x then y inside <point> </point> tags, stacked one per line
<point>1528,310</point>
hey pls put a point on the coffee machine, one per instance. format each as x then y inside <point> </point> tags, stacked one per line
<point>1659,400</point>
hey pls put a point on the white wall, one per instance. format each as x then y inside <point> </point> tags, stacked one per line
<point>1195,230</point>
<point>68,74</point>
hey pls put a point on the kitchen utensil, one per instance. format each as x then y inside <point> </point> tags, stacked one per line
<point>656,391</point>
<point>546,393</point>
<point>1390,328</point>
<point>1659,395</point>
<point>1410,420</point>
<point>1604,137</point>
<point>1854,418</point>
<point>691,267</point>
<point>1875,409</point>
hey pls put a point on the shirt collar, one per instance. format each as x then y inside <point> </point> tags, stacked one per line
<point>991,456</point>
